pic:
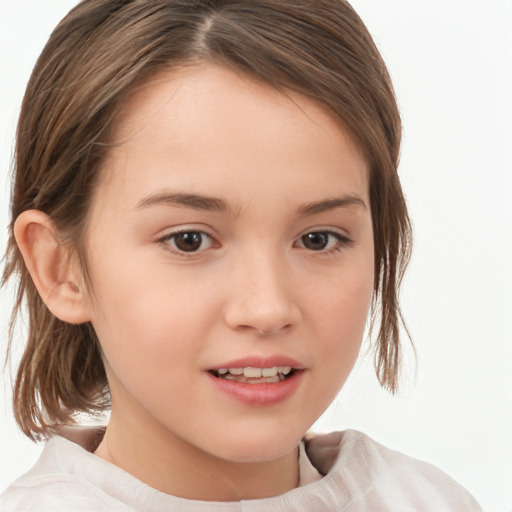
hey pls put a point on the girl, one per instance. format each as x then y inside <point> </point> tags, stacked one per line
<point>205,209</point>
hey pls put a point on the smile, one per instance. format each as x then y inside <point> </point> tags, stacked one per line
<point>258,380</point>
<point>251,375</point>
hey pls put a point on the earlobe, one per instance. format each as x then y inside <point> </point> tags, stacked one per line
<point>48,262</point>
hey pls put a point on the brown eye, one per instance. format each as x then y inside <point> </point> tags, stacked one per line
<point>315,241</point>
<point>190,241</point>
<point>322,240</point>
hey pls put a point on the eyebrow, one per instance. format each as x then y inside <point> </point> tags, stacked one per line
<point>330,204</point>
<point>214,204</point>
<point>195,201</point>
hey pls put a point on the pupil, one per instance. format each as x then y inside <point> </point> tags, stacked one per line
<point>188,242</point>
<point>315,241</point>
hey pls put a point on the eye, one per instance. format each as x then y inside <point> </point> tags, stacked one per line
<point>323,240</point>
<point>188,241</point>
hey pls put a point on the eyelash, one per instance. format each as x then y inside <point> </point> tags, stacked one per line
<point>342,241</point>
<point>168,239</point>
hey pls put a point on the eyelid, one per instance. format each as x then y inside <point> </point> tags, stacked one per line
<point>344,240</point>
<point>184,228</point>
<point>339,232</point>
<point>170,233</point>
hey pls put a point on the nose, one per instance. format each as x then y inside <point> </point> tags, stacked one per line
<point>262,296</point>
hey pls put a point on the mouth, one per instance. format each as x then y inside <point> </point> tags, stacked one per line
<point>254,375</point>
<point>258,381</point>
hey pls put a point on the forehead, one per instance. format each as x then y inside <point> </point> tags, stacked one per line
<point>209,123</point>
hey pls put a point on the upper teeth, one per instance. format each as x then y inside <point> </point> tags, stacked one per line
<point>256,372</point>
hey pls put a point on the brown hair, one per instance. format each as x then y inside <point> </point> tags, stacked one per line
<point>92,62</point>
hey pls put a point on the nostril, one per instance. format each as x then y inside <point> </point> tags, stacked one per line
<point>269,332</point>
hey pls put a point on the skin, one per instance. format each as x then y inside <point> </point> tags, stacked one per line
<point>253,288</point>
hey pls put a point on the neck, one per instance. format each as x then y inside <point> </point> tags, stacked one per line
<point>173,466</point>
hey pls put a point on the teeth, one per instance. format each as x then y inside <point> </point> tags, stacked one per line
<point>269,372</point>
<point>255,375</point>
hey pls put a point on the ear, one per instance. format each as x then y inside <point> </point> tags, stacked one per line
<point>48,261</point>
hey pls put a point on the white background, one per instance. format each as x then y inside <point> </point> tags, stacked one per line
<point>451,61</point>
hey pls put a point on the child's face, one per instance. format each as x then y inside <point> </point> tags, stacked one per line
<point>240,174</point>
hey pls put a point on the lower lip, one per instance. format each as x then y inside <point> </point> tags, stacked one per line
<point>259,394</point>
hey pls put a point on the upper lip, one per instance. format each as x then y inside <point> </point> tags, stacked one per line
<point>261,362</point>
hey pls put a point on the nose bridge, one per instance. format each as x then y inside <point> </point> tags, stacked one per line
<point>262,298</point>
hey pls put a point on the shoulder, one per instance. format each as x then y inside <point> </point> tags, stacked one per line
<point>383,474</point>
<point>59,482</point>
<point>57,494</point>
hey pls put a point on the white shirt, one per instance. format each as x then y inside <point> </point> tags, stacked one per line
<point>360,476</point>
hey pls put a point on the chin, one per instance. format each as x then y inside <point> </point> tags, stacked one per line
<point>256,445</point>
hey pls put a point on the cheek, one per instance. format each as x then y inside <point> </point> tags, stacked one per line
<point>141,317</point>
<point>343,321</point>
<point>340,313</point>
